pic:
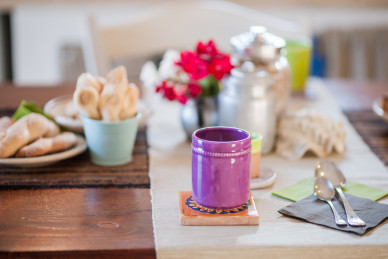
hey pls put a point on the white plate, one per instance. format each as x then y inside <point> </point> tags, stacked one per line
<point>377,108</point>
<point>266,178</point>
<point>57,108</point>
<point>47,159</point>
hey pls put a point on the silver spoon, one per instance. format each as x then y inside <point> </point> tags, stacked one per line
<point>329,170</point>
<point>324,191</point>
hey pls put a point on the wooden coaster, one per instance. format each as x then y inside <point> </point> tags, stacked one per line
<point>193,214</point>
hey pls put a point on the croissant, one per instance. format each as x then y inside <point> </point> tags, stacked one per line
<point>52,129</point>
<point>22,132</point>
<point>44,146</point>
<point>5,123</point>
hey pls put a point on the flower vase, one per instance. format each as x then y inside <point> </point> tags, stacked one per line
<point>199,113</point>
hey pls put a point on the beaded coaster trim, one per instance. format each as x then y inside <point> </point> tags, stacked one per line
<point>195,206</point>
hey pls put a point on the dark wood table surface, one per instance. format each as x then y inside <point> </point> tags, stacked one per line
<point>100,222</point>
<point>75,222</point>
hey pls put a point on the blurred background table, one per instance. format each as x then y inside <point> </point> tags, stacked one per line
<point>355,95</point>
<point>356,98</point>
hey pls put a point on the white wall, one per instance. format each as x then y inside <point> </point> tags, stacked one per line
<point>40,30</point>
<point>317,19</point>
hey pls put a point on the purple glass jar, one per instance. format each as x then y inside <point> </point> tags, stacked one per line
<point>221,167</point>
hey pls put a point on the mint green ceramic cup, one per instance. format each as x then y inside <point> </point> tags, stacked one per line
<point>110,143</point>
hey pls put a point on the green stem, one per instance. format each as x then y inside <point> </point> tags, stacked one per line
<point>209,85</point>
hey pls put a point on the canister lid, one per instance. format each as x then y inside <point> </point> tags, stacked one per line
<point>256,139</point>
<point>257,45</point>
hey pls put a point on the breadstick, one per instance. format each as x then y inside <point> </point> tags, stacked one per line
<point>115,101</point>
<point>22,132</point>
<point>111,101</point>
<point>86,80</point>
<point>44,146</point>
<point>101,81</point>
<point>129,108</point>
<point>86,100</point>
<point>117,75</point>
<point>86,95</point>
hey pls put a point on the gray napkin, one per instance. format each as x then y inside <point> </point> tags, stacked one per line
<point>318,212</point>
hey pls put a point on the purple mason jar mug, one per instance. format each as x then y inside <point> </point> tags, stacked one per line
<point>221,159</point>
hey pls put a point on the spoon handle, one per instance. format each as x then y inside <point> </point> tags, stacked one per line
<point>338,220</point>
<point>351,216</point>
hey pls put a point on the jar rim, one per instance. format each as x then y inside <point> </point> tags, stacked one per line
<point>221,139</point>
<point>226,134</point>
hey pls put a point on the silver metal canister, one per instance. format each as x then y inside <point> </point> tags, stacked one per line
<point>255,94</point>
<point>248,101</point>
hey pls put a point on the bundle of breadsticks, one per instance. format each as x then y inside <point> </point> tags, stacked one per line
<point>32,135</point>
<point>108,99</point>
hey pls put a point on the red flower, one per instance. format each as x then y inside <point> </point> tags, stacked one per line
<point>167,90</point>
<point>194,90</point>
<point>182,99</point>
<point>220,66</point>
<point>209,48</point>
<point>181,94</point>
<point>204,67</point>
<point>193,65</point>
<point>218,63</point>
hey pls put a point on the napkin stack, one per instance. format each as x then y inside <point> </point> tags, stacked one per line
<point>318,212</point>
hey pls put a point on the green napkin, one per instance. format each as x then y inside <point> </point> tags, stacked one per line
<point>304,188</point>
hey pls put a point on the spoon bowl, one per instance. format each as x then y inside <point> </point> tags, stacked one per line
<point>330,171</point>
<point>324,191</point>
